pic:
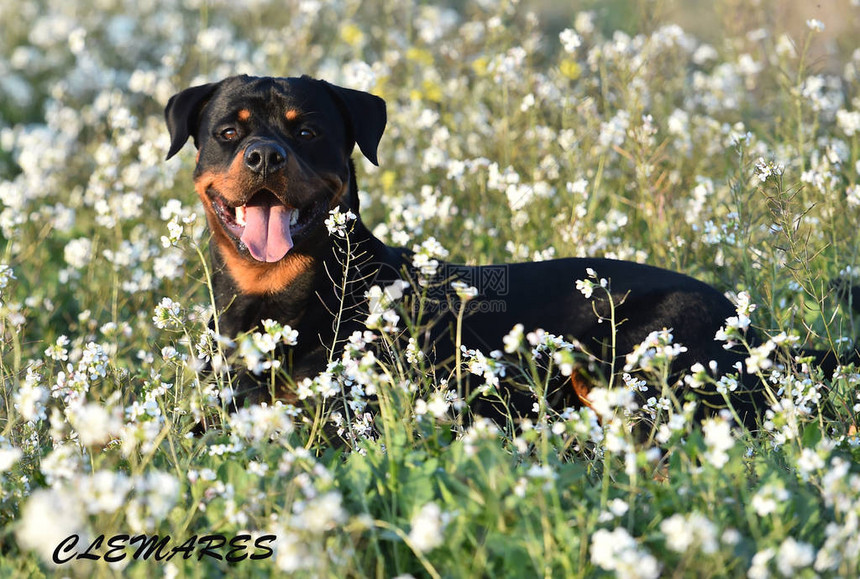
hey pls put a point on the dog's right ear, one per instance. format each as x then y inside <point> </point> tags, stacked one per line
<point>183,114</point>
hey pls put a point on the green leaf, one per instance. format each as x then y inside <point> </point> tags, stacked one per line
<point>811,435</point>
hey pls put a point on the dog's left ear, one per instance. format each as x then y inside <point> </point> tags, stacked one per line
<point>183,114</point>
<point>366,113</point>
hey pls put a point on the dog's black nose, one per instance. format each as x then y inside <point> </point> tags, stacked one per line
<point>265,158</point>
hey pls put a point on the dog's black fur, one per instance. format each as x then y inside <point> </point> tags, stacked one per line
<point>285,143</point>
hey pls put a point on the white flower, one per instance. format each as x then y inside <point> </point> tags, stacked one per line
<point>684,532</point>
<point>158,491</point>
<point>167,315</point>
<point>570,40</point>
<point>253,350</point>
<point>677,423</point>
<point>544,472</point>
<point>604,401</point>
<point>6,273</point>
<point>171,209</point>
<point>849,122</point>
<point>359,75</point>
<point>758,569</point>
<point>565,361</point>
<point>809,462</point>
<point>585,287</point>
<point>513,339</point>
<point>424,264</point>
<point>278,333</point>
<point>94,361</point>
<point>618,507</point>
<point>30,401</point>
<point>413,353</point>
<point>420,407</point>
<point>292,553</point>
<point>426,257</point>
<point>437,406</point>
<point>260,422</point>
<point>745,307</point>
<point>764,170</point>
<point>380,303</point>
<point>104,491</point>
<point>94,423</point>
<point>852,195</point>
<point>614,131</point>
<point>766,500</point>
<point>785,47</point>
<point>320,513</point>
<point>528,102</point>
<point>655,350</point>
<point>8,457</point>
<point>78,252</point>
<point>697,377</point>
<point>427,528</point>
<point>326,385</point>
<point>174,233</point>
<point>618,551</point>
<point>815,25</point>
<point>464,291</point>
<point>759,358</point>
<point>727,383</point>
<point>336,222</point>
<point>305,389</point>
<point>794,556</point>
<point>718,439</point>
<point>49,516</point>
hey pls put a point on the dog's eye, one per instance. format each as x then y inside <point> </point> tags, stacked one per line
<point>229,134</point>
<point>306,134</point>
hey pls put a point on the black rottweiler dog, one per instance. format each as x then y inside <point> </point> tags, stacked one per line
<point>274,159</point>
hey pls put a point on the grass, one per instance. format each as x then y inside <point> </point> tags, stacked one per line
<point>735,162</point>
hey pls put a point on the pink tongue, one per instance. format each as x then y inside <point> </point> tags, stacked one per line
<point>267,228</point>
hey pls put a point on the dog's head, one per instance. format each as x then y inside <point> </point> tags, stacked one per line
<point>273,159</point>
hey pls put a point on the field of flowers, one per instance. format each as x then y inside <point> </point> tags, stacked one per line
<point>606,131</point>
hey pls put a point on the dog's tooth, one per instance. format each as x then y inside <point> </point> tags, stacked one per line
<point>294,218</point>
<point>240,215</point>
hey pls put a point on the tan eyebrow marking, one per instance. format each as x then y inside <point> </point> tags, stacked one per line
<point>292,114</point>
<point>244,115</point>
